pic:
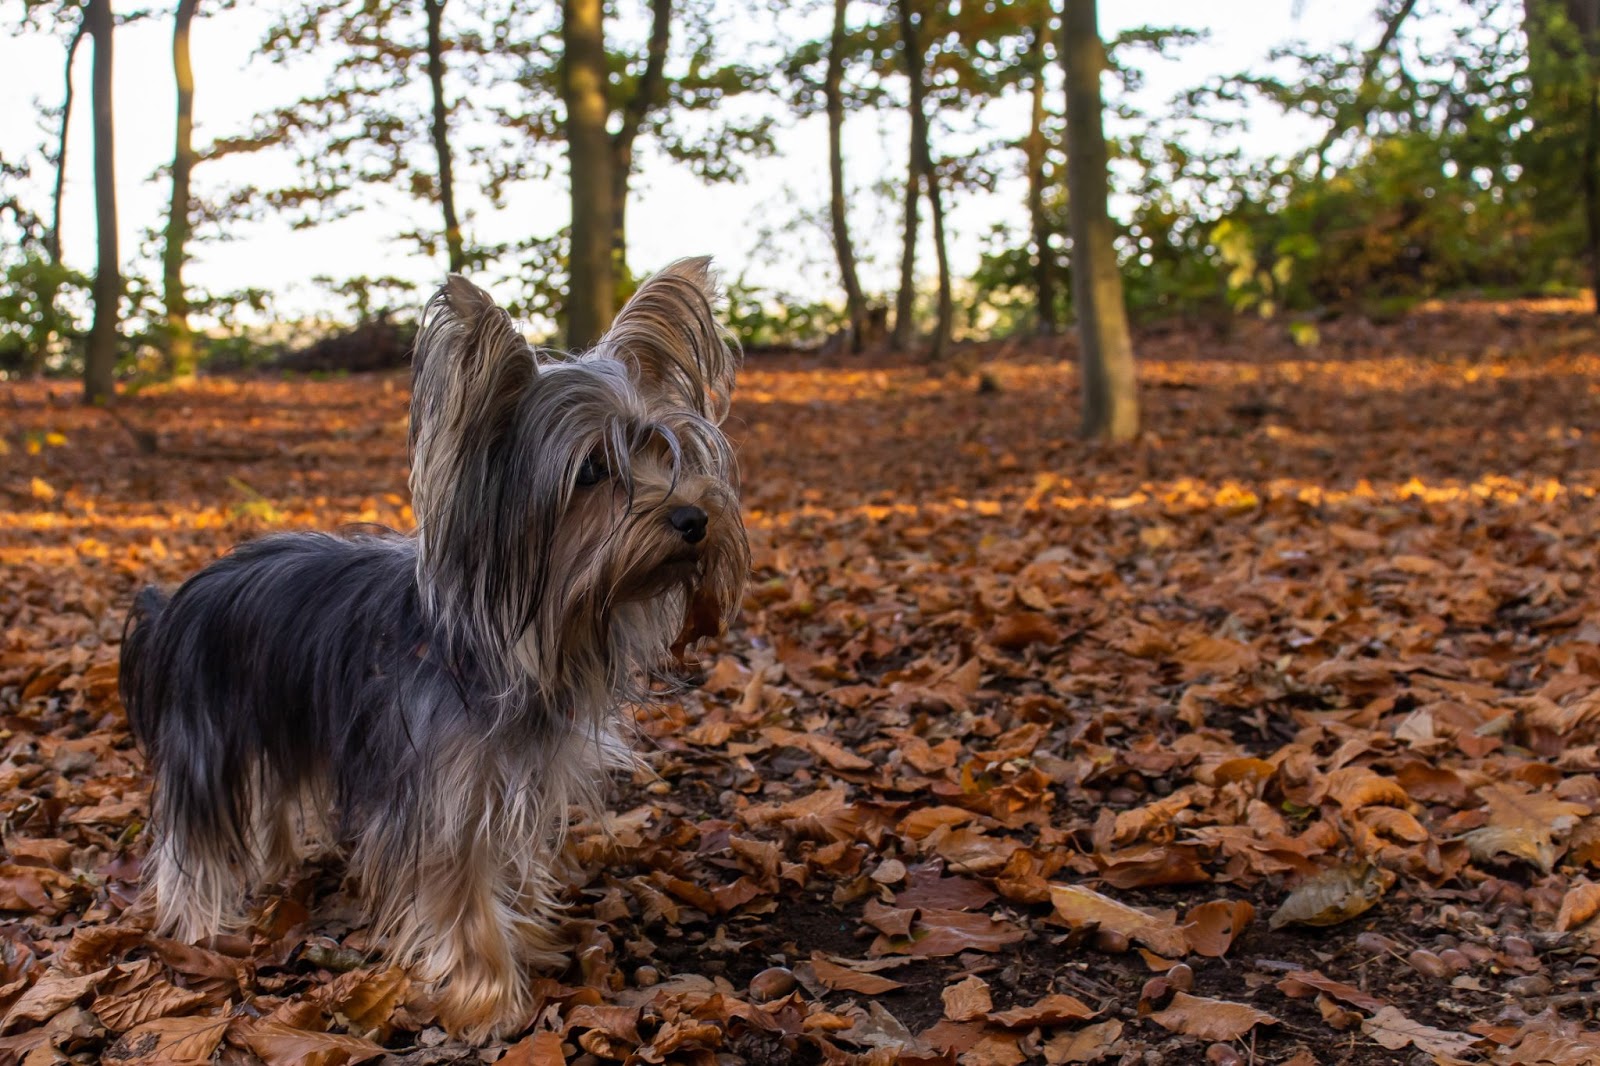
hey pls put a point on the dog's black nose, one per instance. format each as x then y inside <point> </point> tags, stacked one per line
<point>691,522</point>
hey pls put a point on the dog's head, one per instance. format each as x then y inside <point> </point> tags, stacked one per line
<point>576,512</point>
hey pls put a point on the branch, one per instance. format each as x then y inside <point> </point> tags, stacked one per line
<point>645,93</point>
<point>1391,30</point>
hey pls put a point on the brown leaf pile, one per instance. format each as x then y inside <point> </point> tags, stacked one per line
<point>1273,738</point>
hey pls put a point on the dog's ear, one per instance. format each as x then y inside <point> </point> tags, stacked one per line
<point>468,361</point>
<point>469,370</point>
<point>668,335</point>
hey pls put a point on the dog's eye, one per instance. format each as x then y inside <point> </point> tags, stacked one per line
<point>591,472</point>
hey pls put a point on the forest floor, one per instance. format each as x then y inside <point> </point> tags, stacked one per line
<point>1271,738</point>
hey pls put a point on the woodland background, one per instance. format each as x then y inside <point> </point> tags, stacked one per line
<point>1234,703</point>
<point>1456,152</point>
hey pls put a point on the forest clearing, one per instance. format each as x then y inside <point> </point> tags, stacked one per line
<point>1023,748</point>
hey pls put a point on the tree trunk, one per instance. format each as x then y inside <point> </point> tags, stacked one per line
<point>916,63</point>
<point>1044,281</point>
<point>180,341</point>
<point>53,238</point>
<point>1585,15</point>
<point>441,135</point>
<point>1591,192</point>
<point>100,362</point>
<point>1110,399</point>
<point>946,322</point>
<point>833,86</point>
<point>591,292</point>
<point>645,98</point>
<point>1564,58</point>
<point>904,330</point>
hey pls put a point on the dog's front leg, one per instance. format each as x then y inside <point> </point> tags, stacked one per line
<point>460,929</point>
<point>438,877</point>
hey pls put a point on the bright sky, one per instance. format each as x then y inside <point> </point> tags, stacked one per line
<point>672,213</point>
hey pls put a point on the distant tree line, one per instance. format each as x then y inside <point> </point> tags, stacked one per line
<point>1447,164</point>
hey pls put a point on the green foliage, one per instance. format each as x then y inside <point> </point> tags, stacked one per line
<point>1001,299</point>
<point>41,314</point>
<point>1453,162</point>
<point>767,318</point>
<point>1258,278</point>
<point>367,297</point>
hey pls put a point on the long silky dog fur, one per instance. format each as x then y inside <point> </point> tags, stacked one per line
<point>432,704</point>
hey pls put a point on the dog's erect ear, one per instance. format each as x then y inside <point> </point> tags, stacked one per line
<point>468,360</point>
<point>469,370</point>
<point>668,334</point>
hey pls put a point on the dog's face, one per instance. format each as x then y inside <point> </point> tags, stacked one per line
<point>576,514</point>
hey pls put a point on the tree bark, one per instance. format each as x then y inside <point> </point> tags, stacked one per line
<point>945,324</point>
<point>916,64</point>
<point>904,328</point>
<point>833,86</point>
<point>180,341</point>
<point>645,98</point>
<point>1585,15</point>
<point>591,294</point>
<point>1110,399</point>
<point>1560,62</point>
<point>1591,193</point>
<point>100,361</point>
<point>53,238</point>
<point>441,135</point>
<point>1044,281</point>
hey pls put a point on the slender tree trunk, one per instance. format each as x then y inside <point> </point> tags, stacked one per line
<point>916,63</point>
<point>946,322</point>
<point>1044,281</point>
<point>53,238</point>
<point>904,328</point>
<point>621,173</point>
<point>591,294</point>
<point>646,97</point>
<point>1591,191</point>
<point>441,135</point>
<point>1110,397</point>
<point>1585,15</point>
<point>100,362</point>
<point>833,89</point>
<point>180,341</point>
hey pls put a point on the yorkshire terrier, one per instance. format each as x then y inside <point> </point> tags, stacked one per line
<point>432,704</point>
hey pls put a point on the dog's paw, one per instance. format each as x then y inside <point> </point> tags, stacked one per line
<point>481,1004</point>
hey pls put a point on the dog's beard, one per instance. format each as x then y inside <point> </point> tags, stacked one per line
<point>625,583</point>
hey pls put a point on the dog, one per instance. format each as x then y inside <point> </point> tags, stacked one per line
<point>433,704</point>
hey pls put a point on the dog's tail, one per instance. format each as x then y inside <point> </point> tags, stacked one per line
<point>133,673</point>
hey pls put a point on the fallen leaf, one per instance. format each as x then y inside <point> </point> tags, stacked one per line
<point>51,993</point>
<point>1054,1009</point>
<point>1302,983</point>
<point>169,1042</point>
<point>1211,928</point>
<point>1394,1030</point>
<point>966,999</point>
<point>280,1045</point>
<point>1210,1019</point>
<point>1082,1045</point>
<point>540,1049</point>
<point>145,1003</point>
<point>938,933</point>
<point>1079,906</point>
<point>843,979</point>
<point>1335,895</point>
